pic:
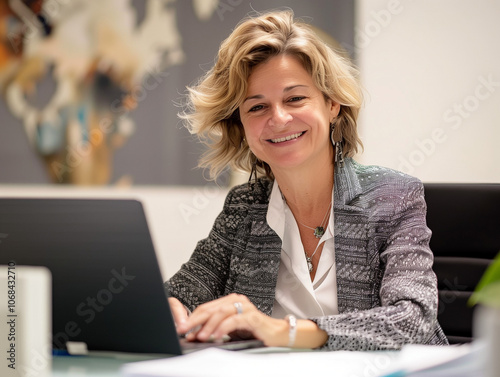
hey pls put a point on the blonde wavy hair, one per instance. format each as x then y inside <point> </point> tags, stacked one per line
<point>212,104</point>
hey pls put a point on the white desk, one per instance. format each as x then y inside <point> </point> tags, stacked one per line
<point>346,364</point>
<point>80,366</point>
<point>450,360</point>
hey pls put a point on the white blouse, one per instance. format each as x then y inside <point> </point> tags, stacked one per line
<point>295,292</point>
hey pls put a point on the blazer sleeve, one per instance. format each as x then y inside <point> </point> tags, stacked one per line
<point>408,290</point>
<point>203,278</point>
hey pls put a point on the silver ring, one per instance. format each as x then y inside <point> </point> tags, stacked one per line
<point>239,307</point>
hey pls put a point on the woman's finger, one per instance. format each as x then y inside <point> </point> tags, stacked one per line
<point>179,311</point>
<point>215,316</point>
<point>209,315</point>
<point>199,316</point>
<point>246,322</point>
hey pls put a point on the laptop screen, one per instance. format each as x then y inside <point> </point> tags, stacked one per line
<point>107,287</point>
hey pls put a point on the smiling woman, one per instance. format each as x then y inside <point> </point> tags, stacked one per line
<point>316,250</point>
<point>214,104</point>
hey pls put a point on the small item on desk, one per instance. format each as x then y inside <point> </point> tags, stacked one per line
<point>77,348</point>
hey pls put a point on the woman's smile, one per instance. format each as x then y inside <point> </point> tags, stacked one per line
<point>284,139</point>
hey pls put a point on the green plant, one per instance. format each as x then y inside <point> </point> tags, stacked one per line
<point>487,291</point>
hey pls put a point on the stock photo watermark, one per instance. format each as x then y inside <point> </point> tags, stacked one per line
<point>454,118</point>
<point>378,21</point>
<point>32,357</point>
<point>450,294</point>
<point>374,367</point>
<point>227,6</point>
<point>199,202</point>
<point>91,306</point>
<point>23,357</point>
<point>12,315</point>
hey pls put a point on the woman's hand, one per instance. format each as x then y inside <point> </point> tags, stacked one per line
<point>236,314</point>
<point>233,314</point>
<point>179,312</point>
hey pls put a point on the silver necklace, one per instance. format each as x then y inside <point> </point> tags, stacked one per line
<point>318,233</point>
<point>320,229</point>
<point>309,259</point>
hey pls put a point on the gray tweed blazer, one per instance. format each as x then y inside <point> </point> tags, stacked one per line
<point>386,289</point>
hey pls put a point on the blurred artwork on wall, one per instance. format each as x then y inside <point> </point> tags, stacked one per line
<point>101,60</point>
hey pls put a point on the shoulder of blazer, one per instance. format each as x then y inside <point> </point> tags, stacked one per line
<point>354,180</point>
<point>256,192</point>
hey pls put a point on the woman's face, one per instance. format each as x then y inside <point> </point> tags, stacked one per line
<point>285,117</point>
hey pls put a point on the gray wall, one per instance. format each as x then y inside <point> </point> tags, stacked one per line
<point>161,151</point>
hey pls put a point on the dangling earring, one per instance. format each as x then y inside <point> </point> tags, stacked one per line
<point>253,172</point>
<point>332,128</point>
<point>339,156</point>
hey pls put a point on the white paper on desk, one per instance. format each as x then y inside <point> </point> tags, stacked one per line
<point>439,361</point>
<point>214,362</point>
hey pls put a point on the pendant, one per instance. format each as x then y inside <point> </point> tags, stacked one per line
<point>309,264</point>
<point>319,231</point>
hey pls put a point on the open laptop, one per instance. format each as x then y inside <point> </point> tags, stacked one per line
<point>107,290</point>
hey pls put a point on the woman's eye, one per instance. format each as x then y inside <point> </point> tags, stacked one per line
<point>256,108</point>
<point>295,99</point>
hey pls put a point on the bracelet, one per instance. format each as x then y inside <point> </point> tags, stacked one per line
<point>292,332</point>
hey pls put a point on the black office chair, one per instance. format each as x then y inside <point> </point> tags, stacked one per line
<point>465,224</point>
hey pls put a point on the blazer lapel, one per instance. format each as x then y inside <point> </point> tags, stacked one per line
<point>352,234</point>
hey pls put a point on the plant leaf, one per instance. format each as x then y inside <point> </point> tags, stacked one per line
<point>488,289</point>
<point>488,295</point>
